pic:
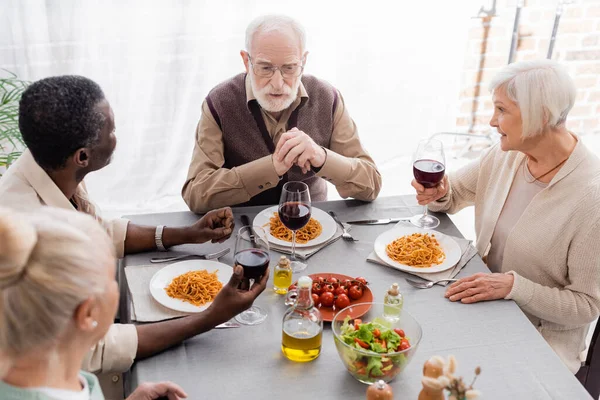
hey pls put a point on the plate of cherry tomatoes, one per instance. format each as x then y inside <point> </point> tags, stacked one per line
<point>332,292</point>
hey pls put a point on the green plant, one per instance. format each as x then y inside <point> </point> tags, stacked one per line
<point>11,141</point>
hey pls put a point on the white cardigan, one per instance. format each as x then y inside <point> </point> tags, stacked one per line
<point>553,251</point>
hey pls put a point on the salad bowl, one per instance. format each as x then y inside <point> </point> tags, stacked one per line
<point>375,347</point>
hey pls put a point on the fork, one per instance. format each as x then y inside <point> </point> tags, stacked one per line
<point>209,256</point>
<point>427,285</point>
<point>345,235</point>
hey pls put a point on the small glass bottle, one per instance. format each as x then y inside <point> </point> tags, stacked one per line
<point>282,278</point>
<point>302,328</point>
<point>380,391</point>
<point>393,302</point>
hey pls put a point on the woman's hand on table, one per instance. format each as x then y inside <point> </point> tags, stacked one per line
<point>216,226</point>
<point>429,195</point>
<point>151,391</point>
<point>480,287</point>
<point>235,298</point>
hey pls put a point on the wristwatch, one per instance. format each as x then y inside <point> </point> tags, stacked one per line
<point>158,238</point>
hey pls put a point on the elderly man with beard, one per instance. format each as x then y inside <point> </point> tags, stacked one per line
<point>272,124</point>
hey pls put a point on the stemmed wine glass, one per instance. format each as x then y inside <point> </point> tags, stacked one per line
<point>252,253</point>
<point>294,213</point>
<point>429,166</point>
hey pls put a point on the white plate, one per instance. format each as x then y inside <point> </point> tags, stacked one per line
<point>328,224</point>
<point>449,246</point>
<point>163,278</point>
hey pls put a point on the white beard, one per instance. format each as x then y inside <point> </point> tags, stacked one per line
<point>275,105</point>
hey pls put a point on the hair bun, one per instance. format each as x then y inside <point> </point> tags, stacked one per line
<point>17,240</point>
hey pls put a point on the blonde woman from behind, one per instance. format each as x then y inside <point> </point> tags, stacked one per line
<point>58,297</point>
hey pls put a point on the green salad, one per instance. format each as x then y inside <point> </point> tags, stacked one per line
<point>375,337</point>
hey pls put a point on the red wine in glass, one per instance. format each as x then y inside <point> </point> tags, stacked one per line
<point>428,172</point>
<point>252,253</point>
<point>294,215</point>
<point>254,262</point>
<point>429,166</point>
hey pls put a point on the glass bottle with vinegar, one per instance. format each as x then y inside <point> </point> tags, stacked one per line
<point>302,330</point>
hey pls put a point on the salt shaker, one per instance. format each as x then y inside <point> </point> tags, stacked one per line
<point>380,391</point>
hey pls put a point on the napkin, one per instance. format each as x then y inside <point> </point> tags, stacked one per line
<point>143,306</point>
<point>467,253</point>
<point>304,253</point>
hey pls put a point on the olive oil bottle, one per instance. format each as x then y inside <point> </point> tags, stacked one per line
<point>302,330</point>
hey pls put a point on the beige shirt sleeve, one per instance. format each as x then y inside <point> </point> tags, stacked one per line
<point>115,352</point>
<point>462,187</point>
<point>117,230</point>
<point>578,303</point>
<point>209,185</point>
<point>348,165</point>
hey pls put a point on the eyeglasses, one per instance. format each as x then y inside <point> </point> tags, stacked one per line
<point>268,70</point>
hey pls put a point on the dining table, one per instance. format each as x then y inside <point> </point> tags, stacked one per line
<point>247,362</point>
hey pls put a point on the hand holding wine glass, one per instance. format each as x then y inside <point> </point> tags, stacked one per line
<point>429,195</point>
<point>429,167</point>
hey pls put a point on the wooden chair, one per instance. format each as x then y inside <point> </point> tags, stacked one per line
<point>589,373</point>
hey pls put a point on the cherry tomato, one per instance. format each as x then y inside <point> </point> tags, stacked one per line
<point>317,289</point>
<point>340,290</point>
<point>315,298</point>
<point>333,282</point>
<point>320,280</point>
<point>342,301</point>
<point>347,283</point>
<point>327,299</point>
<point>361,343</point>
<point>327,288</point>
<point>292,287</point>
<point>362,280</point>
<point>355,292</point>
<point>376,332</point>
<point>400,332</point>
<point>404,345</point>
<point>357,323</point>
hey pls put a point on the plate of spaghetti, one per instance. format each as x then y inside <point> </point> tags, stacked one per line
<point>319,229</point>
<point>417,250</point>
<point>189,286</point>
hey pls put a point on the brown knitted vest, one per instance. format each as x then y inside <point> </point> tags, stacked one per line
<point>245,136</point>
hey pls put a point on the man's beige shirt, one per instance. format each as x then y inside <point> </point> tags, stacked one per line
<point>348,165</point>
<point>25,187</point>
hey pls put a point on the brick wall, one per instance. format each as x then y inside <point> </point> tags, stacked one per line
<point>577,46</point>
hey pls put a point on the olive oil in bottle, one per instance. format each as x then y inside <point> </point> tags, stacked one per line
<point>282,278</point>
<point>393,302</point>
<point>302,330</point>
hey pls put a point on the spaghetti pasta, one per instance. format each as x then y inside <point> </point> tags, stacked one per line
<point>195,287</point>
<point>309,232</point>
<point>416,250</point>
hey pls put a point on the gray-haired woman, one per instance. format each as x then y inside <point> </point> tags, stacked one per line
<point>537,209</point>
<point>58,297</point>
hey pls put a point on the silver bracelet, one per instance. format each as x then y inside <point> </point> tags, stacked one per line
<point>158,238</point>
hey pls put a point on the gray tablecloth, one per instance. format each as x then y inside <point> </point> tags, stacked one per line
<point>247,363</point>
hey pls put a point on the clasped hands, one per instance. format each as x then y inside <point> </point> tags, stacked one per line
<point>297,148</point>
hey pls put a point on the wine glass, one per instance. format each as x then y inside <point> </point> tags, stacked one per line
<point>294,213</point>
<point>429,166</point>
<point>252,253</point>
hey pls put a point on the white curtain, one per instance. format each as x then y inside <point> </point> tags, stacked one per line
<point>397,65</point>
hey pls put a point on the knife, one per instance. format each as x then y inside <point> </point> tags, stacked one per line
<point>228,324</point>
<point>383,221</point>
<point>246,221</point>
